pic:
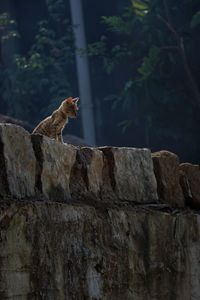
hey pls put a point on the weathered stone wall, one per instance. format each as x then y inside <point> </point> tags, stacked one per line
<point>87,223</point>
<point>59,251</point>
<point>35,166</point>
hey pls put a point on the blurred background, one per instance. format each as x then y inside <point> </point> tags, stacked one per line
<point>134,63</point>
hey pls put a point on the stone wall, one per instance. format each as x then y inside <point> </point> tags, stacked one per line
<point>88,223</point>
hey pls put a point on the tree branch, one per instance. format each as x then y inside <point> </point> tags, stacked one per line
<point>181,48</point>
<point>170,27</point>
<point>167,11</point>
<point>189,73</point>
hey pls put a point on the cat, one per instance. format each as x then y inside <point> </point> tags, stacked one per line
<point>53,125</point>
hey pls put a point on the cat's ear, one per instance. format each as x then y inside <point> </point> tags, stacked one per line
<point>75,100</point>
<point>69,100</point>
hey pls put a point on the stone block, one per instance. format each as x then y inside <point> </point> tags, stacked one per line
<point>17,162</point>
<point>166,168</point>
<point>86,178</point>
<point>190,182</point>
<point>128,175</point>
<point>54,164</point>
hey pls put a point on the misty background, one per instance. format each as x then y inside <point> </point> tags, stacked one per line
<point>134,63</point>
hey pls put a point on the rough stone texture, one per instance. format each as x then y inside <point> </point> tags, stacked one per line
<point>109,249</point>
<point>17,162</point>
<point>128,175</point>
<point>54,164</point>
<point>166,168</point>
<point>190,182</point>
<point>113,174</point>
<point>57,251</point>
<point>86,175</point>
<point>58,171</point>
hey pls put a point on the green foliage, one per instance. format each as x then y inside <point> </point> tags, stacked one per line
<point>95,49</point>
<point>125,124</point>
<point>195,20</point>
<point>7,27</point>
<point>149,63</point>
<point>140,7</point>
<point>117,24</point>
<point>41,79</point>
<point>147,54</point>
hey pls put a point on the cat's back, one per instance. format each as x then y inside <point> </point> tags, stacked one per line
<point>44,127</point>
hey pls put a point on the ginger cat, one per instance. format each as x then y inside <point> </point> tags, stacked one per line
<point>53,125</point>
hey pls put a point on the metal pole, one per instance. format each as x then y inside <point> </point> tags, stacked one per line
<point>83,72</point>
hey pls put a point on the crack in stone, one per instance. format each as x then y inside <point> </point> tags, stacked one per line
<point>4,185</point>
<point>110,164</point>
<point>36,142</point>
<point>80,168</point>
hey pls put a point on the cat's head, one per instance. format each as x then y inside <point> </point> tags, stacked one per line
<point>70,106</point>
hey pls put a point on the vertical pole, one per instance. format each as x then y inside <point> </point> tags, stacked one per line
<point>83,72</point>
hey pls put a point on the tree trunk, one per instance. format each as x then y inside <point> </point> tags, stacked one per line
<point>83,72</point>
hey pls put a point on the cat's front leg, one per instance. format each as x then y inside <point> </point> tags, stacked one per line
<point>60,138</point>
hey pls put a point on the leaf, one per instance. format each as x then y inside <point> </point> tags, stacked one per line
<point>125,124</point>
<point>141,8</point>
<point>117,24</point>
<point>149,63</point>
<point>128,85</point>
<point>195,20</point>
<point>139,5</point>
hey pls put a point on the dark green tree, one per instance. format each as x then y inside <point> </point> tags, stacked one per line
<point>151,54</point>
<point>39,80</point>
